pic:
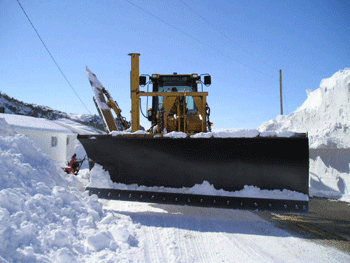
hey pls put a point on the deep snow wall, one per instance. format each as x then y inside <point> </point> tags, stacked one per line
<point>325,116</point>
<point>45,214</point>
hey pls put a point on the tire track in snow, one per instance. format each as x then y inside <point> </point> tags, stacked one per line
<point>150,246</point>
<point>246,250</point>
<point>202,243</point>
<point>192,239</point>
<point>178,242</point>
<point>188,234</point>
<point>158,248</point>
<point>146,247</point>
<point>218,233</point>
<point>199,237</point>
<point>214,237</point>
<point>176,246</point>
<point>166,232</point>
<point>197,233</point>
<point>159,232</point>
<point>183,235</point>
<point>250,252</point>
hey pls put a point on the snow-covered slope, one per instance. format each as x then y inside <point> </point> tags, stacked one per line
<point>325,115</point>
<point>44,214</point>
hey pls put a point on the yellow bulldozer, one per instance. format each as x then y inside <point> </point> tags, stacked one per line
<point>193,155</point>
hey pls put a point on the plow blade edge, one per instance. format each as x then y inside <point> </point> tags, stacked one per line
<point>228,202</point>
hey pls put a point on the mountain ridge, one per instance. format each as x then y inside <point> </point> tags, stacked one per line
<point>10,105</point>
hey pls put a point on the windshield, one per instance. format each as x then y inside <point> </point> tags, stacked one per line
<point>191,107</point>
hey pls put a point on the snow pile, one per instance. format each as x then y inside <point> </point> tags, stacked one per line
<point>45,216</point>
<point>175,135</point>
<point>127,132</point>
<point>100,178</point>
<point>226,133</point>
<point>325,115</point>
<point>242,133</point>
<point>6,129</point>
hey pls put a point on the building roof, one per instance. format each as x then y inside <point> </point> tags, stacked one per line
<point>31,123</point>
<point>77,127</point>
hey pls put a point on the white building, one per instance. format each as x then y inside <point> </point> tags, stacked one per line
<point>53,139</point>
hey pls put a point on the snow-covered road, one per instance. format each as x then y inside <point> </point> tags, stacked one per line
<point>168,233</point>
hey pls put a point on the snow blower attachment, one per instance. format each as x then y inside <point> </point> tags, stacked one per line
<point>180,151</point>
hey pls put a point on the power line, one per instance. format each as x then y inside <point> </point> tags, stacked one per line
<point>198,40</point>
<point>53,59</point>
<point>225,35</point>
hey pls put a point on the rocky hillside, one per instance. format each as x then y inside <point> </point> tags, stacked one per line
<point>12,106</point>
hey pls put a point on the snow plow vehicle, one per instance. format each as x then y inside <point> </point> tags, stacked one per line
<point>180,151</point>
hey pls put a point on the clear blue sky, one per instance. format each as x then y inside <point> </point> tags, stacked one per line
<point>242,44</point>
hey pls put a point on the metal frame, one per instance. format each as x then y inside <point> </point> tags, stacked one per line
<point>171,101</point>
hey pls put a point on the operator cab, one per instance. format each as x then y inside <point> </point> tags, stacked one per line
<point>175,83</point>
<point>181,83</point>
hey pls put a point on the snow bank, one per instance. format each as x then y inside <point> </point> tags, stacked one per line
<point>127,132</point>
<point>325,115</point>
<point>6,129</point>
<point>175,135</point>
<point>45,216</point>
<point>226,133</point>
<point>100,178</point>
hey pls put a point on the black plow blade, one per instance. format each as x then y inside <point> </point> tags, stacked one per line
<point>268,163</point>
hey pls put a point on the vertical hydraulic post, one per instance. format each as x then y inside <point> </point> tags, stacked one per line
<point>134,90</point>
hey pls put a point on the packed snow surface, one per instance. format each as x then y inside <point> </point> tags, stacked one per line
<point>325,115</point>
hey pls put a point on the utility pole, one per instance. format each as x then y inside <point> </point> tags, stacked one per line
<point>281,98</point>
